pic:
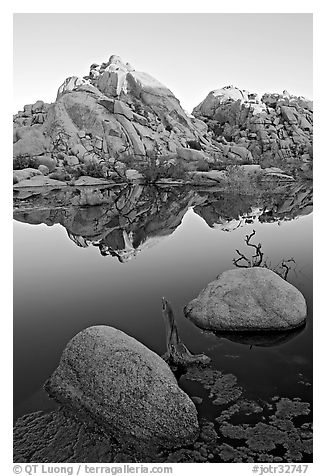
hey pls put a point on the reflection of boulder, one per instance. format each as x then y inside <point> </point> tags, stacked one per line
<point>130,220</point>
<point>261,339</point>
<point>126,388</point>
<point>248,299</point>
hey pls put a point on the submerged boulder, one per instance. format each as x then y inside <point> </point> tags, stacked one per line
<point>59,437</point>
<point>125,387</point>
<point>250,299</point>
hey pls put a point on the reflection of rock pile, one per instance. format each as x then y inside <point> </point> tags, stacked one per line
<point>297,202</point>
<point>225,211</point>
<point>229,212</point>
<point>130,219</point>
<point>276,129</point>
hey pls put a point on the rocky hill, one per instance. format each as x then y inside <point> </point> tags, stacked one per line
<point>276,129</point>
<point>116,119</point>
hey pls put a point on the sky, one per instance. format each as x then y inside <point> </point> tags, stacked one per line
<point>192,54</point>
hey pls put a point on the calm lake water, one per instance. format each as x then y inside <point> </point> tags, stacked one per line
<point>62,286</point>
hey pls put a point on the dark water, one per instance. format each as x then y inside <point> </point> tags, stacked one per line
<point>171,244</point>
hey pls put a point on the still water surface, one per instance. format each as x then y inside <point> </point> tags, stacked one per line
<point>61,288</point>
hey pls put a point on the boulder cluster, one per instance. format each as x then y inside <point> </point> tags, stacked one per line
<point>116,114</point>
<point>274,130</point>
<point>113,112</point>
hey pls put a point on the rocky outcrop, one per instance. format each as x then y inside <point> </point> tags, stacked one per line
<point>36,180</point>
<point>113,111</point>
<point>275,130</point>
<point>120,114</point>
<point>124,387</point>
<point>25,174</point>
<point>250,299</point>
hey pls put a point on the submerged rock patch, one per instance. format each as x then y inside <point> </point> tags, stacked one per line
<point>222,388</point>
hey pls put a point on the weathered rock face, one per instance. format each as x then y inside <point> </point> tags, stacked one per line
<point>276,130</point>
<point>128,389</point>
<point>25,174</point>
<point>251,299</point>
<point>114,111</point>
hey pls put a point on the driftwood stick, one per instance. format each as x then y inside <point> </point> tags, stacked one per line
<point>172,336</point>
<point>177,353</point>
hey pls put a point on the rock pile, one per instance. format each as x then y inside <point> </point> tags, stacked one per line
<point>274,130</point>
<point>117,113</point>
<point>114,110</point>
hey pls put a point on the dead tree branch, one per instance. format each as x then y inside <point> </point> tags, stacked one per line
<point>282,268</point>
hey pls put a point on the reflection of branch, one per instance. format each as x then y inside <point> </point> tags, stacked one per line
<point>286,267</point>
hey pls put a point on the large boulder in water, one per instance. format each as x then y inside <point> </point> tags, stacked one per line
<point>250,299</point>
<point>126,388</point>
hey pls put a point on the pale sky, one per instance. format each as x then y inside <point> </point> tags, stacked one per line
<point>191,54</point>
